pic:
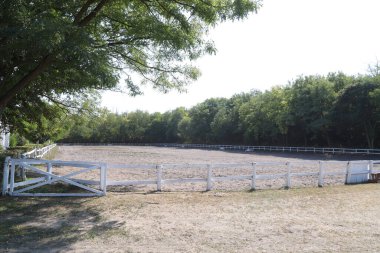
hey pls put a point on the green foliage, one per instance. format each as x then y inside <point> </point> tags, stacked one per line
<point>332,110</point>
<point>17,140</point>
<point>202,116</point>
<point>310,105</point>
<point>356,112</point>
<point>265,116</point>
<point>52,52</point>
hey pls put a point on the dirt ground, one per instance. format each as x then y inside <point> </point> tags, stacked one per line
<point>336,218</point>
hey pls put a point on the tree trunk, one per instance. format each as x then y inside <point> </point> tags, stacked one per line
<point>47,60</point>
<point>33,74</point>
<point>370,134</point>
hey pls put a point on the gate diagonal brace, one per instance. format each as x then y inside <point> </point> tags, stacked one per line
<point>58,178</point>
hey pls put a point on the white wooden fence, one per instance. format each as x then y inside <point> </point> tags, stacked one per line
<point>38,152</point>
<point>48,171</point>
<point>276,148</point>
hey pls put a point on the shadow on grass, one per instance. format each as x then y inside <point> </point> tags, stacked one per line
<point>50,224</point>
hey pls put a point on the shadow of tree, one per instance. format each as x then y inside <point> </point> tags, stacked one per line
<point>50,224</point>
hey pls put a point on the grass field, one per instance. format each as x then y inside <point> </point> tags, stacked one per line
<point>330,219</point>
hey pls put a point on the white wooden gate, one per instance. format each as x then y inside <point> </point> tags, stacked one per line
<point>44,168</point>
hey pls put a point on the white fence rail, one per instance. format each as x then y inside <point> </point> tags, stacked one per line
<point>275,148</point>
<point>251,148</point>
<point>352,171</point>
<point>38,152</point>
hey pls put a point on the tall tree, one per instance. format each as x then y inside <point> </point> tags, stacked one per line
<point>50,47</point>
<point>311,101</point>
<point>173,120</point>
<point>226,126</point>
<point>264,117</point>
<point>357,113</point>
<point>202,116</point>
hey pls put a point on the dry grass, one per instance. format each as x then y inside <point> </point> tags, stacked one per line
<point>339,219</point>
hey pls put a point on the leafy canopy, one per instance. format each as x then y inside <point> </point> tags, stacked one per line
<point>52,50</point>
<point>64,47</point>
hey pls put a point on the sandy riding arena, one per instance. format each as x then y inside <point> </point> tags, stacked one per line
<point>335,218</point>
<point>192,163</point>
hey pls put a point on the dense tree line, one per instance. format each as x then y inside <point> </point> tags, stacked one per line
<point>332,110</point>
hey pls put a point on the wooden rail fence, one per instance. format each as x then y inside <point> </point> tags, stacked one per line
<point>38,152</point>
<point>353,171</point>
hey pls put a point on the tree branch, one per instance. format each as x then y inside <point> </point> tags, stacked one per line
<point>47,60</point>
<point>33,74</point>
<point>82,11</point>
<point>128,58</point>
<point>93,13</point>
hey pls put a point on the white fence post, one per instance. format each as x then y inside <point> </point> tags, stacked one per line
<point>321,173</point>
<point>103,178</point>
<point>348,172</point>
<point>49,170</point>
<point>5,176</point>
<point>209,177</point>
<point>23,173</point>
<point>159,177</point>
<point>12,183</point>
<point>253,183</point>
<point>288,174</point>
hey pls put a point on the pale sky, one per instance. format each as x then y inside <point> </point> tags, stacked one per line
<point>285,39</point>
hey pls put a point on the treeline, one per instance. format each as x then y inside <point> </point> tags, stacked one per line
<point>333,110</point>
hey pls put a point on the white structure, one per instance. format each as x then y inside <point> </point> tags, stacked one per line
<point>4,139</point>
<point>253,172</point>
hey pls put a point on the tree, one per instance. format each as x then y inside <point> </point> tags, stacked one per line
<point>357,113</point>
<point>49,48</point>
<point>202,116</point>
<point>264,117</point>
<point>311,101</point>
<point>138,123</point>
<point>226,126</point>
<point>173,120</point>
<point>157,129</point>
<point>340,80</point>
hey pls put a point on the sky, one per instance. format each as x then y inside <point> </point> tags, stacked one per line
<point>285,39</point>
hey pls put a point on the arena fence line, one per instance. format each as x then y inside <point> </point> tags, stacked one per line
<point>244,148</point>
<point>38,152</point>
<point>47,173</point>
